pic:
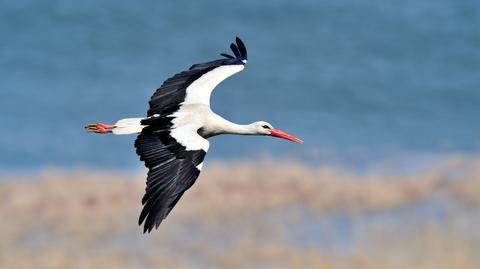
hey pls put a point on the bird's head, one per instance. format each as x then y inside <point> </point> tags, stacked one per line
<point>265,128</point>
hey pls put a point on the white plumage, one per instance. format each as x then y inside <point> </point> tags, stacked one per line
<point>128,126</point>
<point>200,90</point>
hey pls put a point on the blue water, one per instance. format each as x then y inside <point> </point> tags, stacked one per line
<point>358,81</point>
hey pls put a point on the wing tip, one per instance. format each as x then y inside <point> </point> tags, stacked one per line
<point>148,224</point>
<point>239,50</point>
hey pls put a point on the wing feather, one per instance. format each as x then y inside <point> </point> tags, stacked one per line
<point>204,77</point>
<point>171,173</point>
<point>235,50</point>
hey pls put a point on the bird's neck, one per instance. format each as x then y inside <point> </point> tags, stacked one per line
<point>218,125</point>
<point>239,129</point>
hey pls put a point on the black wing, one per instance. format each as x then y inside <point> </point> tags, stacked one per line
<point>172,171</point>
<point>171,94</point>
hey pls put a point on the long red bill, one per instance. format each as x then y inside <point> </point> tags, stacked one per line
<point>281,134</point>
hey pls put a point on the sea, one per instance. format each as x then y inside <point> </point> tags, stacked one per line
<point>363,83</point>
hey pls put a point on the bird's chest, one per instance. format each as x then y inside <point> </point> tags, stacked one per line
<point>189,115</point>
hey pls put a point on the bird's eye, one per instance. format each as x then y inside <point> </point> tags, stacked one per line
<point>266,126</point>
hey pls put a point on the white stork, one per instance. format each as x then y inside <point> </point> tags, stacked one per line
<point>172,139</point>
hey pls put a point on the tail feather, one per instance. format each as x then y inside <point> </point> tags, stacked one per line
<point>128,126</point>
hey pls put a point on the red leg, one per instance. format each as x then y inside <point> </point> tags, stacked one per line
<point>106,126</point>
<point>99,128</point>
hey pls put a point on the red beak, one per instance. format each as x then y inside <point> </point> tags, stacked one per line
<point>281,134</point>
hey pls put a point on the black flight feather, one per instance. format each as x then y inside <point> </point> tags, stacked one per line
<point>227,56</point>
<point>172,171</point>
<point>235,50</point>
<point>241,48</point>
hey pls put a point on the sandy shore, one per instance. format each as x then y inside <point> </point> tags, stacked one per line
<point>248,216</point>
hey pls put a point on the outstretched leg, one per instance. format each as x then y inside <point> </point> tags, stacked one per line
<point>99,128</point>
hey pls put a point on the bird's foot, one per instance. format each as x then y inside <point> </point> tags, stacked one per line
<point>99,128</point>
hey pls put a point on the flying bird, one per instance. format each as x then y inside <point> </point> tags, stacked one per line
<point>172,139</point>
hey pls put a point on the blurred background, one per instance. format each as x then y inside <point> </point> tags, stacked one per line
<point>385,94</point>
